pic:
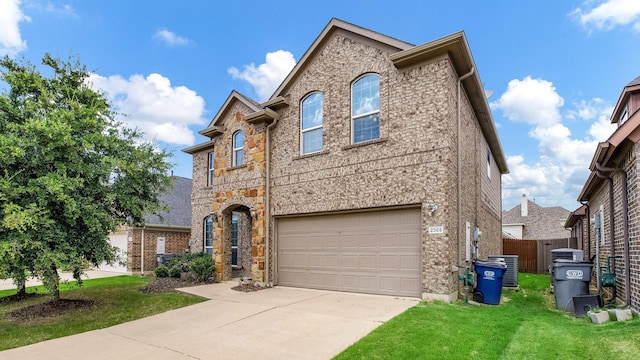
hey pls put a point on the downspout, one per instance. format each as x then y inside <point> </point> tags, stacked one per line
<point>588,215</point>
<point>267,204</point>
<point>459,125</point>
<point>612,245</point>
<point>142,254</point>
<point>625,229</point>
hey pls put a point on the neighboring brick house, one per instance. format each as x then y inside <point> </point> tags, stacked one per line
<point>531,221</point>
<point>170,230</point>
<point>578,224</point>
<point>366,171</point>
<point>612,196</point>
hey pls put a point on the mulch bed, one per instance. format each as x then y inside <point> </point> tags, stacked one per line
<point>49,309</point>
<point>247,287</point>
<point>169,284</point>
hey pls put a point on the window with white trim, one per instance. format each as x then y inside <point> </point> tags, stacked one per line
<point>235,255</point>
<point>211,168</point>
<point>365,109</point>
<point>238,148</point>
<point>208,235</point>
<point>311,123</point>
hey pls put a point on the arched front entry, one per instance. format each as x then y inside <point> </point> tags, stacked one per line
<point>236,242</point>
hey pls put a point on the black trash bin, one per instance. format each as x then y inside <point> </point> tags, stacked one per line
<point>570,278</point>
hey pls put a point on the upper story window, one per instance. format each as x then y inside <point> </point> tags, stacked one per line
<point>365,108</point>
<point>238,148</point>
<point>623,117</point>
<point>210,168</point>
<point>311,127</point>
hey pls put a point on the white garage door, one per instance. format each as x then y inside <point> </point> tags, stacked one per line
<point>118,240</point>
<point>374,252</point>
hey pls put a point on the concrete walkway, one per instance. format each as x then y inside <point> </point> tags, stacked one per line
<point>276,323</point>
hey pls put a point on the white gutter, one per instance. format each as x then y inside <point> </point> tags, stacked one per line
<point>267,204</point>
<point>460,79</point>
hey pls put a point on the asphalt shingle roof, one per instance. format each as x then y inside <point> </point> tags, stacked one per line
<point>178,200</point>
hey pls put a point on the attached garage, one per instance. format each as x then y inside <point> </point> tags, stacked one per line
<point>375,252</point>
<point>119,240</point>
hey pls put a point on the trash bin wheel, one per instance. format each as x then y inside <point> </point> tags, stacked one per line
<point>477,297</point>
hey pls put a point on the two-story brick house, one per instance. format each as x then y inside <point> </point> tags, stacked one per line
<point>368,170</point>
<point>612,199</point>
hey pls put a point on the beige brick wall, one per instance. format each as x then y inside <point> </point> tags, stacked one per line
<point>413,163</point>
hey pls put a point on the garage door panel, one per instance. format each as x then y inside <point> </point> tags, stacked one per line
<point>371,252</point>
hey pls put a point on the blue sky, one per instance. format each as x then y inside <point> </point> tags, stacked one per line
<point>556,68</point>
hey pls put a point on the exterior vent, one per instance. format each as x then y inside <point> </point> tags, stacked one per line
<point>510,278</point>
<point>567,254</point>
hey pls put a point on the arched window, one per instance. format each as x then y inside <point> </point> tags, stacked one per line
<point>311,123</point>
<point>208,235</point>
<point>365,108</point>
<point>238,148</point>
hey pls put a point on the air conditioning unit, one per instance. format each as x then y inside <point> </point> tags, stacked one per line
<point>567,254</point>
<point>510,278</point>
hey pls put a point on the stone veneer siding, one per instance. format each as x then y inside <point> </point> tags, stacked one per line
<point>413,162</point>
<point>235,189</point>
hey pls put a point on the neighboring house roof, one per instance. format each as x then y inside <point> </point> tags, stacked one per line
<point>541,223</point>
<point>178,201</point>
<point>575,216</point>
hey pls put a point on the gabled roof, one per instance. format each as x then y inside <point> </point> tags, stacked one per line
<point>335,25</point>
<point>178,201</point>
<point>404,54</point>
<point>608,153</point>
<point>632,87</point>
<point>575,216</point>
<point>216,126</point>
<point>540,222</point>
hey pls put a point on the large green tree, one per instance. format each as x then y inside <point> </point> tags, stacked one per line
<point>69,172</point>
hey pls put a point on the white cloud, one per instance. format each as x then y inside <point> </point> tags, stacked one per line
<point>163,112</point>
<point>170,38</point>
<point>266,77</point>
<point>561,165</point>
<point>609,14</point>
<point>11,41</point>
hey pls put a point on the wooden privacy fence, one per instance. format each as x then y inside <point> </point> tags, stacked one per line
<point>534,256</point>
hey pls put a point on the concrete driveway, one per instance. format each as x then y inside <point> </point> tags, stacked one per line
<point>276,323</point>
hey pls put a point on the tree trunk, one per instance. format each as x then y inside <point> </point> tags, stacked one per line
<point>55,291</point>
<point>22,289</point>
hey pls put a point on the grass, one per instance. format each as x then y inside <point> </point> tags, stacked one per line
<point>525,326</point>
<point>117,300</point>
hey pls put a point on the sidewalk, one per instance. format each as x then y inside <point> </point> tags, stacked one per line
<point>67,275</point>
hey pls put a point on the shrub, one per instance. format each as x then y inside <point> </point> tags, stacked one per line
<point>202,268</point>
<point>162,271</point>
<point>176,270</point>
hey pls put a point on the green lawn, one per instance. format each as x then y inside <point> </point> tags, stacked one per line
<point>525,326</point>
<point>117,300</point>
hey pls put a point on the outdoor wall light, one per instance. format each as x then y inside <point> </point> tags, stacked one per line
<point>431,208</point>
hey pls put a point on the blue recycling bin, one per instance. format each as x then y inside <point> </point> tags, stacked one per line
<point>489,275</point>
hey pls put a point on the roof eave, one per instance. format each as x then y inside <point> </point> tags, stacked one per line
<point>456,48</point>
<point>199,147</point>
<point>262,115</point>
